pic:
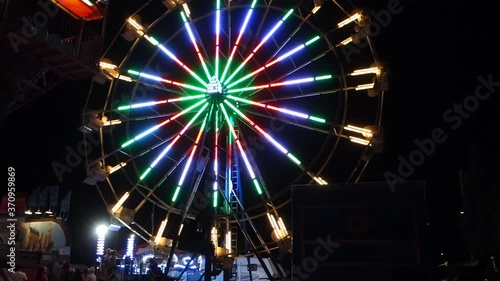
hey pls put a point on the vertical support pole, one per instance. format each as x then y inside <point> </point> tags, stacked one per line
<point>105,20</point>
<point>80,38</point>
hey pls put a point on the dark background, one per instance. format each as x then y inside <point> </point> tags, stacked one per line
<point>435,52</point>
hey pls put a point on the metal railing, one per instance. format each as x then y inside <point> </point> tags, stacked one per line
<point>61,30</point>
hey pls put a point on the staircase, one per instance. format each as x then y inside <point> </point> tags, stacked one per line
<point>234,196</point>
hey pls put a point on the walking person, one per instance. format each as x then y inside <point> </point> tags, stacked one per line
<point>41,274</point>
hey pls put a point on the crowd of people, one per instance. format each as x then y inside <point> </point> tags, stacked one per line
<point>104,270</point>
<point>62,271</point>
<point>108,267</point>
<point>45,273</point>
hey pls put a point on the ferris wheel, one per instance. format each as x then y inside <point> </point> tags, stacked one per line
<point>236,101</point>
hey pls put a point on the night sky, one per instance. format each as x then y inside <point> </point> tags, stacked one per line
<point>435,52</point>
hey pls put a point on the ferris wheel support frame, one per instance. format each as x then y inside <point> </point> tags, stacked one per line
<point>252,244</point>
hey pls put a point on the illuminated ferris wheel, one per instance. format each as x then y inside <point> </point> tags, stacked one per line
<point>237,101</point>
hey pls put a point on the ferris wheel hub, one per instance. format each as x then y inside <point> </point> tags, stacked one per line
<point>216,91</point>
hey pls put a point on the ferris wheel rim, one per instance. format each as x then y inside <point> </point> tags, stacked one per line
<point>325,37</point>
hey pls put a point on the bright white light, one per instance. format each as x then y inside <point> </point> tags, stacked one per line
<point>352,18</point>
<point>186,9</point>
<point>365,132</point>
<point>125,78</point>
<point>130,246</point>
<point>101,237</point>
<point>135,24</point>
<point>215,237</point>
<point>180,229</point>
<point>101,230</point>
<point>346,41</point>
<point>359,140</point>
<point>152,40</point>
<point>88,3</point>
<point>320,180</point>
<point>112,122</point>
<point>279,228</point>
<point>317,6</point>
<point>160,231</point>
<point>365,86</point>
<point>120,202</point>
<point>107,65</point>
<point>282,226</point>
<point>228,241</point>
<point>117,167</point>
<point>186,259</point>
<point>146,258</point>
<point>370,70</point>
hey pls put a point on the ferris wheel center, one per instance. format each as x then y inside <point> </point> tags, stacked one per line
<point>216,91</point>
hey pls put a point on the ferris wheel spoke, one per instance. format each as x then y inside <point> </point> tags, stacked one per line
<point>156,127</point>
<point>307,95</point>
<point>299,26</point>
<point>271,63</point>
<point>280,229</point>
<point>153,103</point>
<point>279,47</point>
<point>279,109</point>
<point>237,43</point>
<point>159,86</point>
<point>131,158</point>
<point>275,143</point>
<point>146,150</point>
<point>167,149</point>
<point>284,83</point>
<point>153,41</point>
<point>196,35</point>
<point>216,160</point>
<point>294,123</point>
<point>190,159</point>
<point>217,38</point>
<point>166,81</point>
<point>145,117</point>
<point>134,157</point>
<point>166,206</point>
<point>254,51</point>
<point>295,69</point>
<point>267,5</point>
<point>195,45</point>
<point>147,197</point>
<point>243,154</point>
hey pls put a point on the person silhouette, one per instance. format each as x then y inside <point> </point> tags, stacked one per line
<point>154,273</point>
